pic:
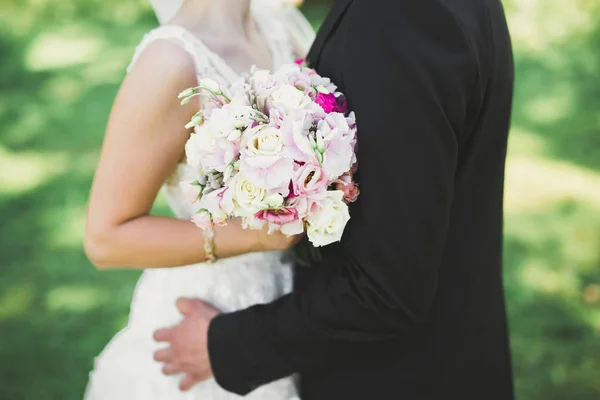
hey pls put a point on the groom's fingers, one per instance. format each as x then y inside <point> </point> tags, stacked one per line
<point>184,305</point>
<point>188,382</point>
<point>172,369</point>
<point>164,355</point>
<point>162,335</point>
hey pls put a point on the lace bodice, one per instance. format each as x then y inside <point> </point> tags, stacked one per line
<point>283,29</point>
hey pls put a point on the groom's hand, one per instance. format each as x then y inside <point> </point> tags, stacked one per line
<point>188,350</point>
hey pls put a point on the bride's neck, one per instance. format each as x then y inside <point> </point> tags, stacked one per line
<point>218,15</point>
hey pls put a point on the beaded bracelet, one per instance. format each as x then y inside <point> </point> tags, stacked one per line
<point>209,245</point>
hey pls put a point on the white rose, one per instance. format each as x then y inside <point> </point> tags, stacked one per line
<point>248,197</point>
<point>265,141</point>
<point>290,98</point>
<point>327,224</point>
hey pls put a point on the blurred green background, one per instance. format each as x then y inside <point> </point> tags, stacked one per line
<point>61,62</point>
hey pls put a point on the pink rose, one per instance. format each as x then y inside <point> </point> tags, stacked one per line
<point>202,220</point>
<point>300,61</point>
<point>190,191</point>
<point>309,180</point>
<point>328,102</point>
<point>351,192</point>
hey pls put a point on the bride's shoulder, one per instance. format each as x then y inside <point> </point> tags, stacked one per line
<point>163,49</point>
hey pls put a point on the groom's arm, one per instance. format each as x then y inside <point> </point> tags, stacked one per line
<point>409,76</point>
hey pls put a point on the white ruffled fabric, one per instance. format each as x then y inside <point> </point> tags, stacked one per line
<point>125,369</point>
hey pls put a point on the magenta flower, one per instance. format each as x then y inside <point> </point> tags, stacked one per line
<point>328,102</point>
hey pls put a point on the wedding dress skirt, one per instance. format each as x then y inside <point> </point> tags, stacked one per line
<point>125,369</point>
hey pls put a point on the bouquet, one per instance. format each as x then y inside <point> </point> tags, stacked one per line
<point>273,149</point>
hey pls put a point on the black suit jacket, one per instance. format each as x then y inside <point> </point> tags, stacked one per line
<point>409,305</point>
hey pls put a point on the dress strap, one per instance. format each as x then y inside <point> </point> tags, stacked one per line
<point>177,35</point>
<point>206,62</point>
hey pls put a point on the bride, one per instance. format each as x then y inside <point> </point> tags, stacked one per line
<point>143,151</point>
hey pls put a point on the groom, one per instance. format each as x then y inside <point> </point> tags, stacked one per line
<point>409,305</point>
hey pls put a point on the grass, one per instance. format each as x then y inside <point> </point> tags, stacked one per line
<point>60,70</point>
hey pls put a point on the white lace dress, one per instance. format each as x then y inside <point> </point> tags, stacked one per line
<point>125,369</point>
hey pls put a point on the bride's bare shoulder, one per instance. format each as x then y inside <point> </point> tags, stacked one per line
<point>163,59</point>
<point>159,72</point>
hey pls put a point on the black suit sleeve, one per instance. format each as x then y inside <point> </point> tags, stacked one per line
<point>408,72</point>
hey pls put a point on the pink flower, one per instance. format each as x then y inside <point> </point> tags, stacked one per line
<point>190,191</point>
<point>284,219</point>
<point>215,204</point>
<point>294,130</point>
<point>309,180</point>
<point>339,137</point>
<point>351,192</point>
<point>300,61</point>
<point>303,205</point>
<point>202,220</point>
<point>279,216</point>
<point>328,102</point>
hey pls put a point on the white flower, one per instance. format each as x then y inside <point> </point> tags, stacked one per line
<point>229,170</point>
<point>289,98</point>
<point>248,198</point>
<point>263,160</point>
<point>198,145</point>
<point>210,85</point>
<point>326,225</point>
<point>202,219</point>
<point>323,85</point>
<point>241,115</point>
<point>235,135</point>
<point>186,93</point>
<point>253,223</point>
<point>322,89</point>
<point>220,123</point>
<point>274,201</point>
<point>265,141</point>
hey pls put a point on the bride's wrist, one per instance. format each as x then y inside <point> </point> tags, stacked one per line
<point>260,241</point>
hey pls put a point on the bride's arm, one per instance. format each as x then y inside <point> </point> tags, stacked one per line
<point>144,142</point>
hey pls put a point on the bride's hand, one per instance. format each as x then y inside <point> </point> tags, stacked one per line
<point>275,240</point>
